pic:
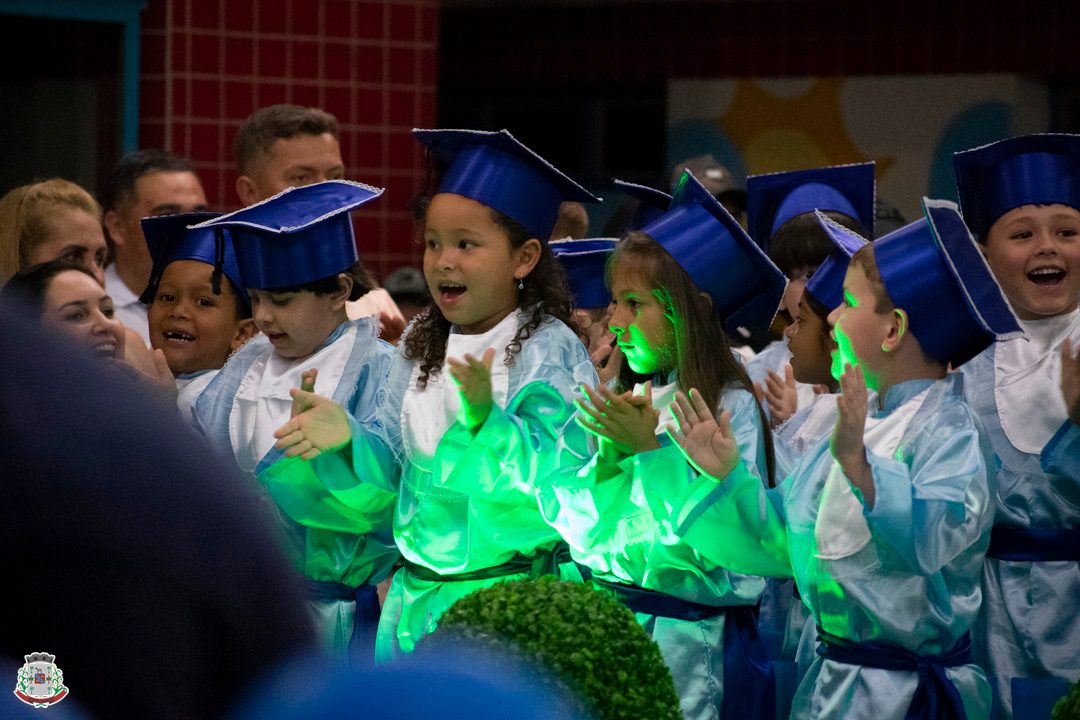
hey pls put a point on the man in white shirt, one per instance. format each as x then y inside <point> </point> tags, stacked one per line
<point>144,183</point>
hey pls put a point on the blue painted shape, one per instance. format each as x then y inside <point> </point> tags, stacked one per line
<point>977,125</point>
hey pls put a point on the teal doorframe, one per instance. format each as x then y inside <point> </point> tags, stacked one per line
<point>123,12</point>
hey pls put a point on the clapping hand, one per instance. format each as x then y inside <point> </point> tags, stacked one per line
<point>707,443</point>
<point>473,378</point>
<point>627,421</point>
<point>847,438</point>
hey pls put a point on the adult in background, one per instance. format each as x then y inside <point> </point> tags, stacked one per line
<point>284,145</point>
<point>142,561</point>
<point>144,183</point>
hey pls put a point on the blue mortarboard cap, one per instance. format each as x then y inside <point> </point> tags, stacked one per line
<point>1028,170</point>
<point>584,262</point>
<point>933,270</point>
<point>494,169</point>
<point>169,238</point>
<point>651,205</point>
<point>775,198</point>
<point>827,282</point>
<point>299,235</point>
<point>745,286</point>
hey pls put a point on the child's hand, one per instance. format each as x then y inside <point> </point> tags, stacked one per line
<point>781,395</point>
<point>322,427</point>
<point>1070,380</point>
<point>606,356</point>
<point>847,438</point>
<point>390,327</point>
<point>628,422</point>
<point>307,384</point>
<point>709,445</point>
<point>473,378</point>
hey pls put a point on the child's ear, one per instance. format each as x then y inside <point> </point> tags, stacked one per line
<point>898,330</point>
<point>527,257</point>
<point>341,295</point>
<point>245,330</point>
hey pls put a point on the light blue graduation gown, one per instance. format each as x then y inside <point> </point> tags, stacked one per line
<point>915,581</point>
<point>1029,625</point>
<point>472,506</point>
<point>623,529</point>
<point>333,529</point>
<point>775,356</point>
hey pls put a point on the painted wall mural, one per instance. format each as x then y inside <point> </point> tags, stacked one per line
<point>909,125</point>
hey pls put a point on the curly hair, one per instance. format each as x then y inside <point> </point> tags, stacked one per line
<point>545,293</point>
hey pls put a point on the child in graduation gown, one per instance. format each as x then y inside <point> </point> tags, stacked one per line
<point>583,262</point>
<point>781,220</point>
<point>298,260</point>
<point>810,344</point>
<point>884,524</point>
<point>196,319</point>
<point>672,285</point>
<point>480,390</point>
<point>1021,199</point>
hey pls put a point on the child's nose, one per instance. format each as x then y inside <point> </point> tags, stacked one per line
<point>833,316</point>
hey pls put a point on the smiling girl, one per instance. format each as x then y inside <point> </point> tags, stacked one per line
<point>480,392</point>
<point>1021,198</point>
<point>675,285</point>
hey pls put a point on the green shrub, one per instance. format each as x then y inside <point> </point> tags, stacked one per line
<point>587,639</point>
<point>1068,707</point>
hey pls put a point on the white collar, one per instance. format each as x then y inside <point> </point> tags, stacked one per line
<point>121,294</point>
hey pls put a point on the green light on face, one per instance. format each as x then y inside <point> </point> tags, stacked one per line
<point>844,354</point>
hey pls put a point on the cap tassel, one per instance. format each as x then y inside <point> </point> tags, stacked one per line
<point>147,296</point>
<point>219,261</point>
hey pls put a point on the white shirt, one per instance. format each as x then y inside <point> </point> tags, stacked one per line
<point>129,310</point>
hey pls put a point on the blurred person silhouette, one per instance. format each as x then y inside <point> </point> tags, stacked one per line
<point>142,561</point>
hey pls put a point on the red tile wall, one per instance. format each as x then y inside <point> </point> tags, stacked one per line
<point>207,64</point>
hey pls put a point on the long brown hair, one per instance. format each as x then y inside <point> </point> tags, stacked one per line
<point>704,358</point>
<point>545,293</point>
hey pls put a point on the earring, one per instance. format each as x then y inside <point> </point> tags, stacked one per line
<point>521,283</point>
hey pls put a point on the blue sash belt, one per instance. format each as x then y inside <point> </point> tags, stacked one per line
<point>1017,544</point>
<point>362,642</point>
<point>542,562</point>
<point>936,697</point>
<point>749,681</point>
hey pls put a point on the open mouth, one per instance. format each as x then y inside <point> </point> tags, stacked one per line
<point>105,348</point>
<point>175,336</point>
<point>450,291</point>
<point>1047,276</point>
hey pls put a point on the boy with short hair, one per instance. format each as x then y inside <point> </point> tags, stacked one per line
<point>196,319</point>
<point>1021,198</point>
<point>885,524</point>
